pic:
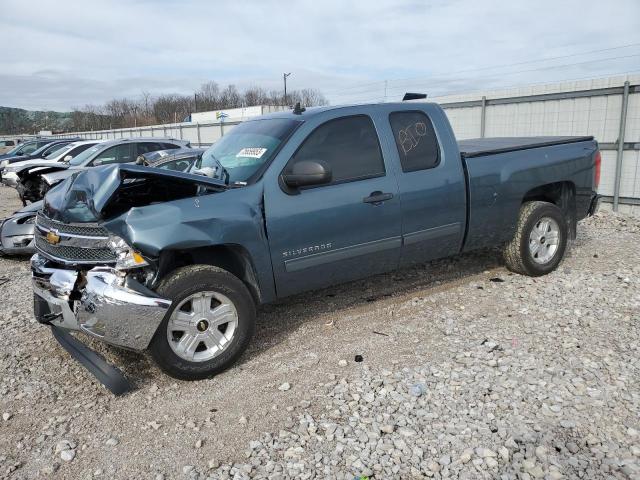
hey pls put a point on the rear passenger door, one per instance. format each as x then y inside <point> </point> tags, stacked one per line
<point>431,184</point>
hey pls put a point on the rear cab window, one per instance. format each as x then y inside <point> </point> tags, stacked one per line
<point>349,145</point>
<point>415,139</point>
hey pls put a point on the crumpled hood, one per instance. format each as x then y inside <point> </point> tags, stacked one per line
<point>95,194</point>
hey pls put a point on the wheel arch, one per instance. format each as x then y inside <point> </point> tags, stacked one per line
<point>231,257</point>
<point>561,194</point>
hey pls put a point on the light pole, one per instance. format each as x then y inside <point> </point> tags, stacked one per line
<point>284,77</point>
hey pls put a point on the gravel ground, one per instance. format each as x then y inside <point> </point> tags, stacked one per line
<point>456,369</point>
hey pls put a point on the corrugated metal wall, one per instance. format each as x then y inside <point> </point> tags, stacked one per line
<point>586,107</point>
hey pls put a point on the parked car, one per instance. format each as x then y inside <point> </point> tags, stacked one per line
<point>176,263</point>
<point>34,149</point>
<point>60,155</point>
<point>36,181</point>
<point>24,148</point>
<point>8,145</point>
<point>17,231</point>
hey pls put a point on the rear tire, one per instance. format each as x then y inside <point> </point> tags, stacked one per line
<point>209,325</point>
<point>540,240</point>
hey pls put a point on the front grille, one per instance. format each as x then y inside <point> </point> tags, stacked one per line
<point>74,254</point>
<point>77,243</point>
<point>89,230</point>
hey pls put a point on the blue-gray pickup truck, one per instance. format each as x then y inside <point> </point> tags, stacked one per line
<point>176,263</point>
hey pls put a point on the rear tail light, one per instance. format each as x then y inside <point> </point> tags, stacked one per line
<point>598,163</point>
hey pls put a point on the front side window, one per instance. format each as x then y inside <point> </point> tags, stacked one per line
<point>247,147</point>
<point>118,154</point>
<point>416,140</point>
<point>348,145</point>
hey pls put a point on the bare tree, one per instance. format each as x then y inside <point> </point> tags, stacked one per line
<point>150,110</point>
<point>208,96</point>
<point>230,97</point>
<point>172,108</point>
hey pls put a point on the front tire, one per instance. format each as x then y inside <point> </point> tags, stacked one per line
<point>540,240</point>
<point>210,323</point>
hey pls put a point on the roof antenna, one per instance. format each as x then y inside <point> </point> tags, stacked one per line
<point>297,110</point>
<point>414,96</point>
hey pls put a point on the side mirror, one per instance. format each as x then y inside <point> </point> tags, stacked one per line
<point>140,160</point>
<point>98,162</point>
<point>307,173</point>
<point>68,158</point>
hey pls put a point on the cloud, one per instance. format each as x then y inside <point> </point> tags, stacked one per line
<point>64,54</point>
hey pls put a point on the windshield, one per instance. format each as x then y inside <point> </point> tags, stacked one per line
<point>29,146</point>
<point>59,151</point>
<point>81,158</point>
<point>40,151</point>
<point>247,147</point>
<point>16,149</point>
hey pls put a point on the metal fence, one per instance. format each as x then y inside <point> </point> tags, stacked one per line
<point>607,108</point>
<point>199,134</point>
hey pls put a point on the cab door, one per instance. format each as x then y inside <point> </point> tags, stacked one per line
<point>431,183</point>
<point>339,231</point>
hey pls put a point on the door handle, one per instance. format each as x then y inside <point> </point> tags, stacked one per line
<point>377,197</point>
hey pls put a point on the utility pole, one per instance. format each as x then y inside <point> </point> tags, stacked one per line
<point>195,102</point>
<point>284,77</point>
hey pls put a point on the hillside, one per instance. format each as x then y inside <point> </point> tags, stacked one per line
<point>17,120</point>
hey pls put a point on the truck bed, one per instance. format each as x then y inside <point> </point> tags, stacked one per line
<point>478,147</point>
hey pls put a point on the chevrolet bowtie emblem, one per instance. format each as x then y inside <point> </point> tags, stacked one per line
<point>52,238</point>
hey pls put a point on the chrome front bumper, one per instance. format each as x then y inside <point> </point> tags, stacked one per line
<point>100,302</point>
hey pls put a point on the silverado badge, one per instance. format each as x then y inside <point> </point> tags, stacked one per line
<point>52,238</point>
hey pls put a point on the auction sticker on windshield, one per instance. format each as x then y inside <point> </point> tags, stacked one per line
<point>252,152</point>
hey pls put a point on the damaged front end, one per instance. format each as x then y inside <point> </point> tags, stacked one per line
<point>102,302</point>
<point>86,278</point>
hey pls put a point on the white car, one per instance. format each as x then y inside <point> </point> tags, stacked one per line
<point>63,155</point>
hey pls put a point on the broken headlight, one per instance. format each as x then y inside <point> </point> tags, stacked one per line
<point>126,257</point>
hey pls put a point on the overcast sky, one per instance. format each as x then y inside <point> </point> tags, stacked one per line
<point>57,55</point>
